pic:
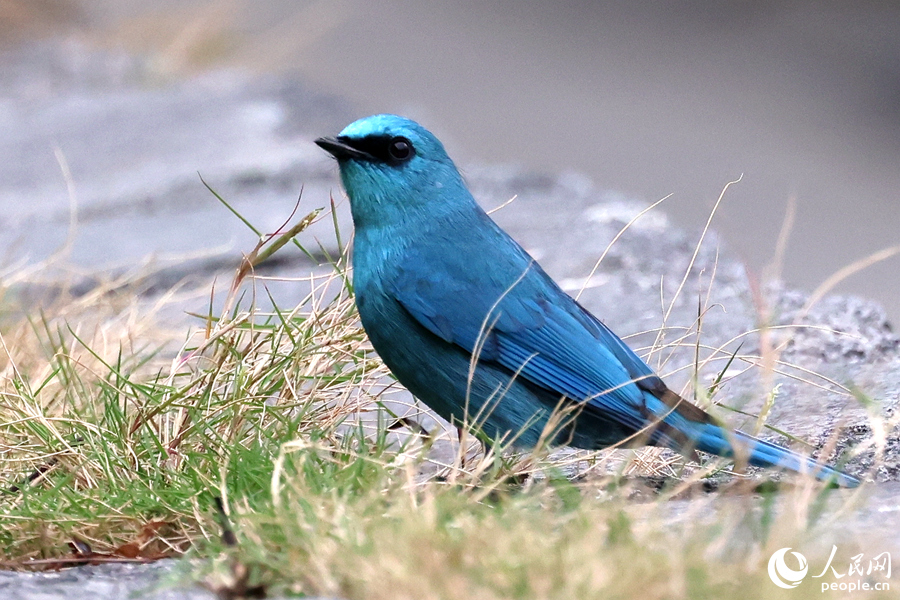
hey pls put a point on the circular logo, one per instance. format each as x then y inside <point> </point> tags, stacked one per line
<point>782,575</point>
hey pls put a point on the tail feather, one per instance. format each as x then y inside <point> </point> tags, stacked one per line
<point>715,440</point>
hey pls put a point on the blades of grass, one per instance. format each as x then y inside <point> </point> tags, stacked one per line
<point>718,380</point>
<point>693,260</point>
<point>696,365</point>
<point>337,229</point>
<point>843,273</point>
<point>230,208</point>
<point>285,237</point>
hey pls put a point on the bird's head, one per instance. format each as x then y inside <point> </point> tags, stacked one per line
<point>394,169</point>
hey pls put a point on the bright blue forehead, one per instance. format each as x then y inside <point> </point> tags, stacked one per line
<point>382,125</point>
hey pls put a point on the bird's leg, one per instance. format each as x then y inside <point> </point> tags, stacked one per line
<point>461,436</point>
<point>462,451</point>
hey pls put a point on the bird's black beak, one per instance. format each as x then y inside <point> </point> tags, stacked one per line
<point>341,148</point>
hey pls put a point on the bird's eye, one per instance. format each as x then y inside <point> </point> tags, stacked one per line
<point>400,149</point>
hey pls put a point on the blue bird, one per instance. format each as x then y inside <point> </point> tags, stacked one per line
<point>474,328</point>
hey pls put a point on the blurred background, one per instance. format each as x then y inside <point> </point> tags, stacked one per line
<point>649,99</point>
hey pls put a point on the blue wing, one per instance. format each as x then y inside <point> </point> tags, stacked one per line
<point>513,314</point>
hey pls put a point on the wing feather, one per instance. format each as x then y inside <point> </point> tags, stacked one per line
<point>531,327</point>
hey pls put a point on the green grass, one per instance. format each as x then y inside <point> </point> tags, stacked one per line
<point>120,436</point>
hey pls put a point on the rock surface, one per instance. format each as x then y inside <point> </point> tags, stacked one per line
<point>110,582</point>
<point>154,581</point>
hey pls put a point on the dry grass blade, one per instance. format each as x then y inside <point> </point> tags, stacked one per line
<point>845,272</point>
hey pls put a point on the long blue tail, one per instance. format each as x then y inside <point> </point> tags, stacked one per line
<point>715,440</point>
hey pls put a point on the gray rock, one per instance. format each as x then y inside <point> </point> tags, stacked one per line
<point>110,582</point>
<point>162,580</point>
